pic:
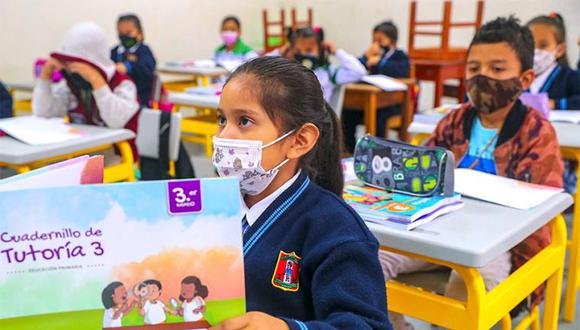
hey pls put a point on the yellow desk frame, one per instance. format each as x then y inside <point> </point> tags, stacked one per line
<point>483,310</point>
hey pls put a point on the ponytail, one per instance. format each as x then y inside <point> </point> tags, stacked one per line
<point>556,21</point>
<point>292,97</point>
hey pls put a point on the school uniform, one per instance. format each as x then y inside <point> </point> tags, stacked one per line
<point>394,63</point>
<point>5,102</point>
<point>348,70</point>
<point>240,54</point>
<point>310,260</point>
<point>142,71</point>
<point>562,85</point>
<point>113,105</point>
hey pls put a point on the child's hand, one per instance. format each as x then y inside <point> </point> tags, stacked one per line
<point>121,68</point>
<point>374,50</point>
<point>49,68</point>
<point>329,46</point>
<point>132,58</point>
<point>90,74</point>
<point>373,60</point>
<point>252,321</point>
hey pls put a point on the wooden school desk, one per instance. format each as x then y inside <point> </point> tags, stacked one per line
<point>470,238</point>
<point>369,98</point>
<point>202,73</point>
<point>24,157</point>
<point>199,129</point>
<point>439,70</point>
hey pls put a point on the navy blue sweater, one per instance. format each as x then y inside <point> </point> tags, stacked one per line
<point>142,71</point>
<point>563,86</point>
<point>5,102</point>
<point>310,260</point>
<point>395,66</point>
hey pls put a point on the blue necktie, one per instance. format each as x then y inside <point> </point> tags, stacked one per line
<point>245,225</point>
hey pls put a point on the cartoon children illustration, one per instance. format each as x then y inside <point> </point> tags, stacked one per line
<point>117,305</point>
<point>154,309</point>
<point>192,299</point>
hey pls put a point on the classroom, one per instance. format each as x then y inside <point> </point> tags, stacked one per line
<point>289,165</point>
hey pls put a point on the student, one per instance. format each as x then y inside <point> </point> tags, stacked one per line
<point>134,58</point>
<point>116,303</point>
<point>382,57</point>
<point>553,73</point>
<point>5,102</point>
<point>273,109</point>
<point>93,92</point>
<point>495,133</point>
<point>233,50</point>
<point>192,297</point>
<point>307,46</point>
<point>153,310</point>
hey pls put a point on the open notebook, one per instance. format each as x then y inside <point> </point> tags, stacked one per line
<point>39,131</point>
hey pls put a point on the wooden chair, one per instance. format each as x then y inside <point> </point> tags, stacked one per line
<point>441,63</point>
<point>296,24</point>
<point>274,31</point>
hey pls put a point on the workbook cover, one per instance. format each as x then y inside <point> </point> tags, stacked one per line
<point>151,255</point>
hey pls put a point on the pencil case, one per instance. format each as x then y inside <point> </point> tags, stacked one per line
<point>404,168</point>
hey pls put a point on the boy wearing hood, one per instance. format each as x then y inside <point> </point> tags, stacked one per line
<point>93,92</point>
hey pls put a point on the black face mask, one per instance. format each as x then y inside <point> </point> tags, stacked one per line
<point>310,61</point>
<point>386,49</point>
<point>77,80</point>
<point>127,41</point>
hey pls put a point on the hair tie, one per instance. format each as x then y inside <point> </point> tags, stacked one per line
<point>316,28</point>
<point>553,15</point>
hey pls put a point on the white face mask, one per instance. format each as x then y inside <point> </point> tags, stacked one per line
<point>543,59</point>
<point>243,159</point>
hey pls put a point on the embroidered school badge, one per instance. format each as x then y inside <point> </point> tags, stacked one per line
<point>286,272</point>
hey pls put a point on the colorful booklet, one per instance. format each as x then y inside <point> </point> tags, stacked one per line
<point>151,255</point>
<point>398,210</point>
<point>72,172</point>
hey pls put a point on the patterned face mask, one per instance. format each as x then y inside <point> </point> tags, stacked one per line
<point>243,159</point>
<point>489,95</point>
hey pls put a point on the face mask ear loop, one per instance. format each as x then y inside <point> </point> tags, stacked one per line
<point>278,139</point>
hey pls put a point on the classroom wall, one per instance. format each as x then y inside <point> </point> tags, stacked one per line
<point>184,29</point>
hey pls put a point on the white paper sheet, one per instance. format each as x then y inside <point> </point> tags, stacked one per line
<point>39,131</point>
<point>386,83</point>
<point>501,190</point>
<point>567,116</point>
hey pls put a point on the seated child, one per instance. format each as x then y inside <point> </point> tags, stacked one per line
<point>306,266</point>
<point>92,91</point>
<point>382,57</point>
<point>307,46</point>
<point>495,133</point>
<point>5,102</point>
<point>553,73</point>
<point>233,50</point>
<point>134,58</point>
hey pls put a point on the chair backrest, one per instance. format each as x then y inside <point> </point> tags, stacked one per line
<point>296,24</point>
<point>337,99</point>
<point>445,25</point>
<point>274,31</point>
<point>149,133</point>
<point>157,83</point>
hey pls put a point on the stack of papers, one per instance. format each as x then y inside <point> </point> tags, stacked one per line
<point>565,116</point>
<point>501,190</point>
<point>39,131</point>
<point>386,83</point>
<point>395,210</point>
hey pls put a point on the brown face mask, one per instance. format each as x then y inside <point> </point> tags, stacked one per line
<point>489,95</point>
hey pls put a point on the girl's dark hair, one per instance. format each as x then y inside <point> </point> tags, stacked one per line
<point>131,18</point>
<point>556,21</point>
<point>107,294</point>
<point>200,288</point>
<point>291,95</point>
<point>389,29</point>
<point>311,32</point>
<point>233,19</point>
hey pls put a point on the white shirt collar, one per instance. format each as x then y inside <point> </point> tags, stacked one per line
<point>252,214</point>
<point>540,80</point>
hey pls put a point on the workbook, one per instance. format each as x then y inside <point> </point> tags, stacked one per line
<point>385,83</point>
<point>38,131</point>
<point>150,255</point>
<point>397,210</point>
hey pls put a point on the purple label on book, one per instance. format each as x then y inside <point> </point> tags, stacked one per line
<point>184,196</point>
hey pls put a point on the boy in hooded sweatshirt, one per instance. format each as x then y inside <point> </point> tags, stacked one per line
<point>93,92</point>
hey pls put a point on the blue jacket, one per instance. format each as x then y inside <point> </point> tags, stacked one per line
<point>5,102</point>
<point>563,86</point>
<point>142,71</point>
<point>310,260</point>
<point>395,66</point>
